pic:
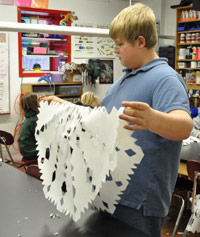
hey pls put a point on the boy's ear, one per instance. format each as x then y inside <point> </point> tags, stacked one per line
<point>141,41</point>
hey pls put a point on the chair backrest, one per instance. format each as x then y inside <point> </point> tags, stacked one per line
<point>6,138</point>
<point>34,171</point>
<point>17,160</point>
<point>192,166</point>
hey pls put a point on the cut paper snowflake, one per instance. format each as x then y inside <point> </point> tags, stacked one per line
<point>194,222</point>
<point>85,157</point>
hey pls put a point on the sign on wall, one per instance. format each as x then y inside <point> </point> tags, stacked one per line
<point>4,74</point>
<point>92,47</point>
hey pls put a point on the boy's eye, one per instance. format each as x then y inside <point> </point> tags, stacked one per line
<point>121,44</point>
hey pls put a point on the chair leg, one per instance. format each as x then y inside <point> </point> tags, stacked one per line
<point>13,162</point>
<point>179,215</point>
<point>185,233</point>
<point>1,153</point>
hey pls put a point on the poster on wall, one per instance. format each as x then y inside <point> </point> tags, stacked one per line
<point>32,3</point>
<point>6,2</point>
<point>106,72</point>
<point>4,74</point>
<point>92,47</point>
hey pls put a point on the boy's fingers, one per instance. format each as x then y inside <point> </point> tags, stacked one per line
<point>135,105</point>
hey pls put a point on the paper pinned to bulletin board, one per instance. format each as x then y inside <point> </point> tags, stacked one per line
<point>92,47</point>
<point>4,74</point>
<point>32,3</point>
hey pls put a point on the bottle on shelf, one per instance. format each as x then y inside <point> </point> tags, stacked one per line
<point>194,53</point>
<point>198,77</point>
<point>190,77</point>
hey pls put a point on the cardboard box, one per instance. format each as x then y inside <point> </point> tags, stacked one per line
<point>76,76</point>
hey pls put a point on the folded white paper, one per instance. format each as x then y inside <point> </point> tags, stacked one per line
<point>85,157</point>
<point>194,222</point>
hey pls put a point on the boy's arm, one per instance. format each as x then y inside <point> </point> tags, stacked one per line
<point>175,125</point>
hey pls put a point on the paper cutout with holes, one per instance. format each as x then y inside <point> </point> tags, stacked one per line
<point>194,222</point>
<point>85,157</point>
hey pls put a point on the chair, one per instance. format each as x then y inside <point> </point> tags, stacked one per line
<point>17,160</point>
<point>193,168</point>
<point>176,211</point>
<point>34,171</point>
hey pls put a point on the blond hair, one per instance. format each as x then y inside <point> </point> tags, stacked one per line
<point>134,21</point>
<point>88,98</point>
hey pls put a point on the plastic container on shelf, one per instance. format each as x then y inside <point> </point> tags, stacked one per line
<point>182,53</point>
<point>194,53</point>
<point>198,77</point>
<point>61,63</point>
<point>190,77</point>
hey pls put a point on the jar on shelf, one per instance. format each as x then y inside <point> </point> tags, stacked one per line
<point>194,15</point>
<point>188,38</point>
<point>198,15</point>
<point>182,39</point>
<point>197,37</point>
<point>193,38</point>
<point>182,16</point>
<point>185,15</point>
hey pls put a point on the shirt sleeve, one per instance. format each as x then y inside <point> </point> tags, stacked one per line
<point>170,94</point>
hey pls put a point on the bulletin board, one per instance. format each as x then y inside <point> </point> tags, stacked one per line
<point>92,47</point>
<point>4,74</point>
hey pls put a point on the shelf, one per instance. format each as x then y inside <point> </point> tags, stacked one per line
<point>189,74</point>
<point>47,72</point>
<point>188,31</point>
<point>57,46</point>
<point>188,68</point>
<point>42,39</point>
<point>198,43</point>
<point>48,84</point>
<point>68,90</point>
<point>193,86</point>
<point>45,55</point>
<point>187,60</point>
<point>188,21</point>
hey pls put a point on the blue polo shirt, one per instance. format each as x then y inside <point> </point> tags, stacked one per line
<point>152,183</point>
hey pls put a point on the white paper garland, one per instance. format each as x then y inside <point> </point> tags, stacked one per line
<point>83,157</point>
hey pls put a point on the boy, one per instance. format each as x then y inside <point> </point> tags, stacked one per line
<point>157,109</point>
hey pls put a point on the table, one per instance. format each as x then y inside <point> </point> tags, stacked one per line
<point>183,170</point>
<point>188,152</point>
<point>26,213</point>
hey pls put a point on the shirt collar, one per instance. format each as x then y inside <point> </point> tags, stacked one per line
<point>146,67</point>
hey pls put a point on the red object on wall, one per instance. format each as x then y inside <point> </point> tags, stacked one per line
<point>59,46</point>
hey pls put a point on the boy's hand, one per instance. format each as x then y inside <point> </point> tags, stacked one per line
<point>168,125</point>
<point>138,113</point>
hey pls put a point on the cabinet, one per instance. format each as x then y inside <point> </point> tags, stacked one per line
<point>187,55</point>
<point>41,54</point>
<point>70,91</point>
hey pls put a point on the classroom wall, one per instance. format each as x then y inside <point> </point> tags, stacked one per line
<point>88,11</point>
